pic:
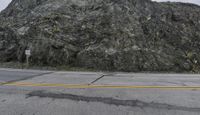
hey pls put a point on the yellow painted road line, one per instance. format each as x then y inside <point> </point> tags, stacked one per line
<point>83,86</point>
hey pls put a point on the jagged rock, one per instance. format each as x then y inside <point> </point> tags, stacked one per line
<point>116,35</point>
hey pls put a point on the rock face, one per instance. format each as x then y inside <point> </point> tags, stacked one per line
<point>116,35</point>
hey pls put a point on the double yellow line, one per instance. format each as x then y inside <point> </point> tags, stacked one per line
<point>85,86</point>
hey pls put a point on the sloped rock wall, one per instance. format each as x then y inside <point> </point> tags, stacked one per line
<point>116,35</point>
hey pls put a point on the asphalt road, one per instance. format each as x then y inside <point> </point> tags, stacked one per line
<point>31,92</point>
<point>9,75</point>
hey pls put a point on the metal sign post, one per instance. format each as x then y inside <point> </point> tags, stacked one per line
<point>28,54</point>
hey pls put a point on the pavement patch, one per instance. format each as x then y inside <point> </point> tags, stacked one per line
<point>110,101</point>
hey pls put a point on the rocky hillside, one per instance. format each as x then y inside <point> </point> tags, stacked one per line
<point>115,35</point>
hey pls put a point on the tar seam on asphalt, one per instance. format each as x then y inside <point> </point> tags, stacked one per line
<point>96,80</point>
<point>99,79</point>
<point>29,77</point>
<point>111,101</point>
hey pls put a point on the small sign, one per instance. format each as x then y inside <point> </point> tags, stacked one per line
<point>28,52</point>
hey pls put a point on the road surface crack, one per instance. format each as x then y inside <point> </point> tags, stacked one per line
<point>96,80</point>
<point>111,101</point>
<point>99,78</point>
<point>28,77</point>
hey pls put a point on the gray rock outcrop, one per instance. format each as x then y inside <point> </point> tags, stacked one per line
<point>115,35</point>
